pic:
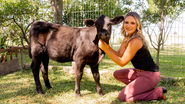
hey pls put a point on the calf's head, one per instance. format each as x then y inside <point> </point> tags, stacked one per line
<point>104,26</point>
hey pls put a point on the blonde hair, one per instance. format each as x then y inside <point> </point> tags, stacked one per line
<point>137,34</point>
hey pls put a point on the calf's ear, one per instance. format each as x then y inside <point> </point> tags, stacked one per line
<point>89,23</point>
<point>117,20</point>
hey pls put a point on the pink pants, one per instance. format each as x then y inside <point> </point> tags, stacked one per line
<point>140,85</point>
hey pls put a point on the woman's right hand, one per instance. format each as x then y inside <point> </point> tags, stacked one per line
<point>102,45</point>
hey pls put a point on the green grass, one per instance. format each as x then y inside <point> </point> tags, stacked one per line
<point>19,87</point>
<point>172,61</point>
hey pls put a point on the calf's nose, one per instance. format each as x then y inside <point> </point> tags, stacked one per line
<point>103,36</point>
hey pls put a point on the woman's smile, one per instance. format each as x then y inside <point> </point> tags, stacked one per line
<point>130,25</point>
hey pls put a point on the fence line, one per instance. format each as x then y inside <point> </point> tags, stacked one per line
<point>172,57</point>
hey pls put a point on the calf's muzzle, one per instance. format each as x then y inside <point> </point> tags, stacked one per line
<point>105,36</point>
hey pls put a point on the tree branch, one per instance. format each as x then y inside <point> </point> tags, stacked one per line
<point>147,26</point>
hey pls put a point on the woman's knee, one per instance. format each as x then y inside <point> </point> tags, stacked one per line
<point>122,97</point>
<point>115,74</point>
<point>120,73</point>
<point>125,98</point>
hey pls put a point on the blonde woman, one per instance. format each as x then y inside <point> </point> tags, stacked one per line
<point>145,76</point>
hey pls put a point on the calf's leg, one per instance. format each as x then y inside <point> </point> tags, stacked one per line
<point>35,65</point>
<point>78,76</point>
<point>44,70</point>
<point>96,76</point>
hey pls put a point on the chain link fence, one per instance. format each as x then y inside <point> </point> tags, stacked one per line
<point>172,52</point>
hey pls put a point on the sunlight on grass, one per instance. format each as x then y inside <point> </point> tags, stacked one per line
<point>19,87</point>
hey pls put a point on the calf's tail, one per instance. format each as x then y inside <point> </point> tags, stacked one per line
<point>30,44</point>
<point>40,27</point>
<point>30,52</point>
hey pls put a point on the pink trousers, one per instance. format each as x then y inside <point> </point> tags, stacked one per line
<point>140,85</point>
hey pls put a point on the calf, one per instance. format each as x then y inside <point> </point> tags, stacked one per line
<point>65,44</point>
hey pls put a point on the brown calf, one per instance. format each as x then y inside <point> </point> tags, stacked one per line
<point>65,44</point>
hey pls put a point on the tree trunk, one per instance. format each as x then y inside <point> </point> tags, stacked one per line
<point>158,51</point>
<point>162,46</point>
<point>159,43</point>
<point>57,6</point>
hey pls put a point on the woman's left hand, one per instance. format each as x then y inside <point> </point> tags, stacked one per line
<point>102,45</point>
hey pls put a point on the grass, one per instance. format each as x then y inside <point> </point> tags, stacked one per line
<point>19,87</point>
<point>171,60</point>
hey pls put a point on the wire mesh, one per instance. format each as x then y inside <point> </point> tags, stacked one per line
<point>172,55</point>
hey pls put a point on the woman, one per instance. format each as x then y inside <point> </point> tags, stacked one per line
<point>141,80</point>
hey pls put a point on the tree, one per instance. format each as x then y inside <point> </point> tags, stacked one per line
<point>160,14</point>
<point>18,15</point>
<point>57,6</point>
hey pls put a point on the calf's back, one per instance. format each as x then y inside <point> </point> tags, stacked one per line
<point>63,43</point>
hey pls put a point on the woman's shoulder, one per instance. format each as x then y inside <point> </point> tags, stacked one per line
<point>136,43</point>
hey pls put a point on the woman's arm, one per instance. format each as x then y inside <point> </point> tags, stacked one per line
<point>133,46</point>
<point>121,50</point>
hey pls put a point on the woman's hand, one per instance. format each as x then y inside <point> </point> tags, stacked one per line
<point>102,45</point>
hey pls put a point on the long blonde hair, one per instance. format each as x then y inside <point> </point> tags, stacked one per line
<point>137,34</point>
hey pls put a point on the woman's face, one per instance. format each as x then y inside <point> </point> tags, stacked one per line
<point>130,25</point>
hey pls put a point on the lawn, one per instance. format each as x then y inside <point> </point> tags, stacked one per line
<point>19,87</point>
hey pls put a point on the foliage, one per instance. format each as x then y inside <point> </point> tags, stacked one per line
<point>3,45</point>
<point>3,39</point>
<point>18,15</point>
<point>168,8</point>
<point>158,18</point>
<point>2,42</point>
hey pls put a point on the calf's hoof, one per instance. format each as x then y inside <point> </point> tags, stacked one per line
<point>101,95</point>
<point>40,92</point>
<point>100,92</point>
<point>49,87</point>
<point>78,95</point>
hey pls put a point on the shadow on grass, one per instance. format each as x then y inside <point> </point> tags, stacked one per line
<point>21,85</point>
<point>9,90</point>
<point>59,81</point>
<point>65,86</point>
